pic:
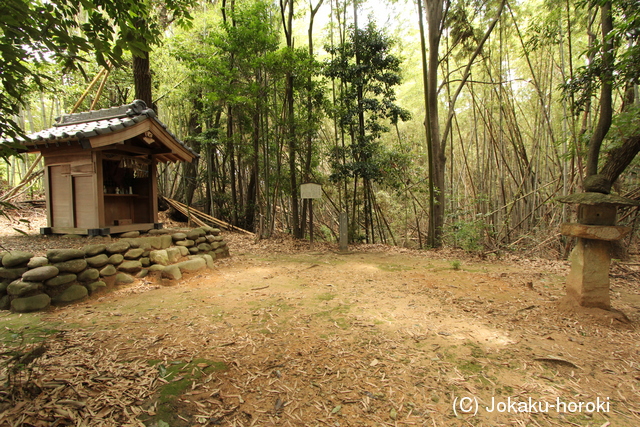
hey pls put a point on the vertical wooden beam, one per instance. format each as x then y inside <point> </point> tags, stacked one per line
<point>47,194</point>
<point>97,158</point>
<point>153,194</point>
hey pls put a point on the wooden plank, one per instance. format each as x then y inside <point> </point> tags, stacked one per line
<point>69,230</point>
<point>167,140</point>
<point>47,194</point>
<point>130,149</point>
<point>120,136</point>
<point>84,201</point>
<point>61,196</point>
<point>61,158</point>
<point>153,191</point>
<point>97,158</point>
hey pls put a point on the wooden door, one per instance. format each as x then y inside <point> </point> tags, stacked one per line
<point>61,196</point>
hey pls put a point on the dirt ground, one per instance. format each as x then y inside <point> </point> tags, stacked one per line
<point>283,334</point>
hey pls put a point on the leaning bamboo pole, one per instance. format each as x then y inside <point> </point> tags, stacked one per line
<point>199,217</point>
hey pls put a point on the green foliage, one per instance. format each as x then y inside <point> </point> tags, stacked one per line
<point>626,67</point>
<point>466,234</point>
<point>37,33</point>
<point>367,69</point>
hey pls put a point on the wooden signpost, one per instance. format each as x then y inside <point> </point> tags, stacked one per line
<point>310,191</point>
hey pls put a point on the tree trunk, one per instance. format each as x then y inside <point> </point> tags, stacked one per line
<point>606,91</point>
<point>286,9</point>
<point>435,15</point>
<point>142,79</point>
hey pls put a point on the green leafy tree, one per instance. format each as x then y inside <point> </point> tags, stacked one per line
<point>368,73</point>
<point>615,67</point>
<point>34,33</point>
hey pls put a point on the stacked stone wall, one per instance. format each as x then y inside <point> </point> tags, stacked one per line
<point>31,283</point>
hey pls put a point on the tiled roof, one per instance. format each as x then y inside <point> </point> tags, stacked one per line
<point>99,122</point>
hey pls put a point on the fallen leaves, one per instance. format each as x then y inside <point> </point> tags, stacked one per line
<point>83,384</point>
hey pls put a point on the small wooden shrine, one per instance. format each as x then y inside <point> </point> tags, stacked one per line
<point>100,169</point>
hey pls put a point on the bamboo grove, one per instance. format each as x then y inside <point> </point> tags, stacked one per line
<point>450,122</point>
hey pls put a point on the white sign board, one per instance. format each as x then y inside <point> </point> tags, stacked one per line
<point>311,191</point>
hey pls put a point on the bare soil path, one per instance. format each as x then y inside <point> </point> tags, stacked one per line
<point>280,334</point>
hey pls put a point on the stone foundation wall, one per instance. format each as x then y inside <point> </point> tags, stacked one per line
<point>31,283</point>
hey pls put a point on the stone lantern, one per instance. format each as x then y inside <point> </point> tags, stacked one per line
<point>588,280</point>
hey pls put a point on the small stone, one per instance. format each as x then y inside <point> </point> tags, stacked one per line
<point>183,251</point>
<point>97,261</point>
<point>95,286</point>
<point>4,284</point>
<point>158,232</point>
<point>89,275</point>
<point>204,247</point>
<point>12,273</point>
<point>159,257</point>
<point>178,236</point>
<point>200,240</point>
<point>215,245</point>
<point>72,293</point>
<point>209,260</point>
<point>145,261</point>
<point>133,243</point>
<point>118,247</point>
<point>109,270</point>
<point>130,266</point>
<point>165,241</point>
<point>71,266</point>
<point>155,242</point>
<point>193,250</point>
<point>218,238</point>
<point>61,279</point>
<point>173,254</point>
<point>123,279</point>
<point>116,259</point>
<point>18,288</point>
<point>37,261</point>
<point>207,229</point>
<point>215,231</point>
<point>194,264</point>
<point>172,272</point>
<point>156,267</point>
<point>597,184</point>
<point>195,233</point>
<point>130,234</point>
<point>93,250</point>
<point>16,259</point>
<point>188,243</point>
<point>40,274</point>
<point>62,255</point>
<point>133,253</point>
<point>142,273</point>
<point>29,304</point>
<point>211,239</point>
<point>5,302</point>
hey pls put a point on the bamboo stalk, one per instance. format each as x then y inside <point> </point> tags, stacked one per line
<point>100,88</point>
<point>194,214</point>
<point>86,92</point>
